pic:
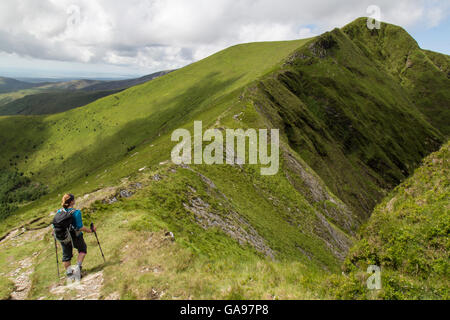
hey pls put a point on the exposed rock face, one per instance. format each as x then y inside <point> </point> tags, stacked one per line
<point>233,224</point>
<point>90,198</point>
<point>337,212</point>
<point>336,240</point>
<point>320,47</point>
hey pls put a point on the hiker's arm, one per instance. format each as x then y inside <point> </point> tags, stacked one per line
<point>84,229</point>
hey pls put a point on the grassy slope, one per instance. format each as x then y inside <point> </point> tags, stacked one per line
<point>15,95</point>
<point>408,237</point>
<point>294,212</point>
<point>49,98</point>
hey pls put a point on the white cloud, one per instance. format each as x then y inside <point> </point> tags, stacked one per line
<point>435,16</point>
<point>163,34</point>
<point>265,32</point>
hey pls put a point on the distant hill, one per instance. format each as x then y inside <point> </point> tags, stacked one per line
<point>48,98</point>
<point>10,85</point>
<point>71,85</point>
<point>123,84</point>
<point>52,102</point>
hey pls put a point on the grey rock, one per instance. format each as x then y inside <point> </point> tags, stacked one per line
<point>125,193</point>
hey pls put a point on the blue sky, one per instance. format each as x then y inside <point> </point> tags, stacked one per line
<point>117,39</point>
<point>435,38</point>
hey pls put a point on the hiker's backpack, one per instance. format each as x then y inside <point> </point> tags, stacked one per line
<point>63,225</point>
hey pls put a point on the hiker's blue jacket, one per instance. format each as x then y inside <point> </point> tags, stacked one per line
<point>77,218</point>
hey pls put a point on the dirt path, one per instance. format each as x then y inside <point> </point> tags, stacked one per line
<point>21,275</point>
<point>89,288</point>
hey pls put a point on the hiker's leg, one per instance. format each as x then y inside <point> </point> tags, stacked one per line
<point>81,257</point>
<point>82,249</point>
<point>67,254</point>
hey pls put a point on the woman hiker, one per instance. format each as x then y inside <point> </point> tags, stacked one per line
<point>68,230</point>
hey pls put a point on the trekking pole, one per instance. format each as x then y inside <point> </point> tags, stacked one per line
<point>92,229</point>
<point>57,261</point>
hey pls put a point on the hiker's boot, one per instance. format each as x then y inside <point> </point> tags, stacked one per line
<point>69,273</point>
<point>81,270</point>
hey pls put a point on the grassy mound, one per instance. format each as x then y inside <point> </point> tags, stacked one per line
<point>407,236</point>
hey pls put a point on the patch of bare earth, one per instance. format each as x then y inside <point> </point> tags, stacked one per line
<point>21,278</point>
<point>23,236</point>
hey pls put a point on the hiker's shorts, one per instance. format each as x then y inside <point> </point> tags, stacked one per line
<point>78,243</point>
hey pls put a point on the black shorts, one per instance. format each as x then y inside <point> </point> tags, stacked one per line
<point>78,243</point>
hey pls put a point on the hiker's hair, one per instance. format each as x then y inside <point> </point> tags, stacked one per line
<point>67,200</point>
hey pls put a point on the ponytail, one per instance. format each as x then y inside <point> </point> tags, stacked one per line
<point>67,200</point>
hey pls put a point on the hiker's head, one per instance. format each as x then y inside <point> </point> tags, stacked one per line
<point>68,201</point>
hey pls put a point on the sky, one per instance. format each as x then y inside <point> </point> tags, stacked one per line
<point>123,39</point>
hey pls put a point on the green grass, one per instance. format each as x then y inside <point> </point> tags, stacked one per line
<point>6,287</point>
<point>214,98</point>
